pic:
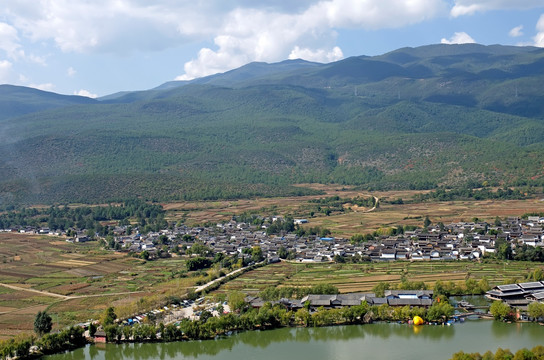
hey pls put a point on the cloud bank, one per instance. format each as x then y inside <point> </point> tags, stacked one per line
<point>471,7</point>
<point>240,30</point>
<point>236,31</point>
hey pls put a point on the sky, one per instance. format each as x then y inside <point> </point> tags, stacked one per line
<point>99,47</point>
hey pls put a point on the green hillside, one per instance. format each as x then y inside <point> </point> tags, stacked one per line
<point>19,100</point>
<point>413,118</point>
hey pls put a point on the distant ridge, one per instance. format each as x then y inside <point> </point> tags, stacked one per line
<point>413,118</point>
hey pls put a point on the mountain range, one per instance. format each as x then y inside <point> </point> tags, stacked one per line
<point>437,115</point>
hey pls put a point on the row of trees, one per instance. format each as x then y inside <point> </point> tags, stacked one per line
<point>502,311</point>
<point>445,288</point>
<point>336,203</point>
<point>467,192</point>
<point>273,316</point>
<point>537,353</point>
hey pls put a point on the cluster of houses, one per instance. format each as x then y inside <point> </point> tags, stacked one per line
<point>421,298</point>
<point>463,240</point>
<point>518,295</point>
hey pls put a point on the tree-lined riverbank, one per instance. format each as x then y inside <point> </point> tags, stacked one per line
<point>380,340</point>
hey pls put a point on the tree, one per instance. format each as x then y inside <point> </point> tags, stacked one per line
<point>499,310</point>
<point>198,263</point>
<point>236,300</point>
<point>144,255</point>
<point>112,332</point>
<point>440,311</point>
<point>92,329</point>
<point>379,288</point>
<point>303,317</point>
<point>282,252</point>
<point>205,315</point>
<point>536,310</point>
<point>108,317</point>
<point>42,323</point>
<point>257,254</point>
<point>426,222</point>
<point>503,250</point>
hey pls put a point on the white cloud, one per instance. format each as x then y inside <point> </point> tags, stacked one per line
<point>470,7</point>
<point>9,40</point>
<point>458,38</point>
<point>539,37</point>
<point>255,35</point>
<point>516,32</point>
<point>121,27</point>
<point>10,44</point>
<point>319,55</point>
<point>242,30</point>
<point>5,71</point>
<point>71,71</point>
<point>86,93</point>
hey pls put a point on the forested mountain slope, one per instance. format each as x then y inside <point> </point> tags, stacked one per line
<point>412,118</point>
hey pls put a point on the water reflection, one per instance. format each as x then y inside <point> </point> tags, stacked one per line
<point>340,341</point>
<point>259,339</point>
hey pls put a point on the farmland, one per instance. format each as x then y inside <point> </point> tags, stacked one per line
<point>363,277</point>
<point>74,282</point>
<point>354,220</point>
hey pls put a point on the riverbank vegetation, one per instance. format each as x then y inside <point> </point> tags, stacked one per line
<point>24,347</point>
<point>270,316</point>
<point>536,353</point>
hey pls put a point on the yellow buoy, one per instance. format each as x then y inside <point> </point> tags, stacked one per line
<point>418,320</point>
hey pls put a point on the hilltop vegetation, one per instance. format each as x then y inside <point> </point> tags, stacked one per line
<point>410,119</point>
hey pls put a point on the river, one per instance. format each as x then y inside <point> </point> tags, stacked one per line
<point>374,341</point>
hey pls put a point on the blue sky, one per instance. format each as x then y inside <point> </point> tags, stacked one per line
<point>98,47</point>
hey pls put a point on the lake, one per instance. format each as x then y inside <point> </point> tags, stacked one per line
<point>374,341</point>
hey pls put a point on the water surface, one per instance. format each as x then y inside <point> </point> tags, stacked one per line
<point>375,341</point>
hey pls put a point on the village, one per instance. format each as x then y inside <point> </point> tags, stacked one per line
<point>455,241</point>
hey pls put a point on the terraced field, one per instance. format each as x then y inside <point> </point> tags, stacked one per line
<point>363,277</point>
